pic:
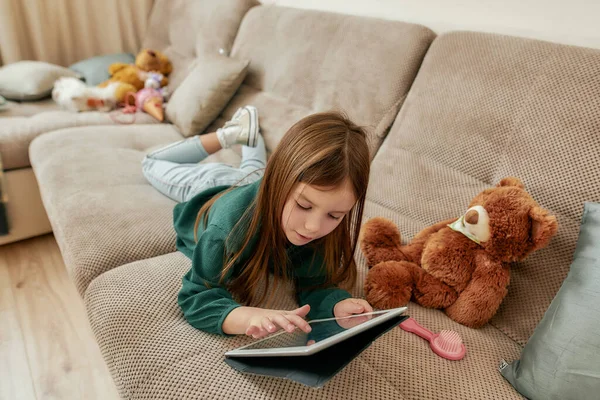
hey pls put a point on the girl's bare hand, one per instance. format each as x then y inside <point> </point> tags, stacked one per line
<point>265,322</point>
<point>349,307</point>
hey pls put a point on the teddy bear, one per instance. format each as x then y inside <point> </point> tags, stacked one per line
<point>459,265</point>
<point>133,77</point>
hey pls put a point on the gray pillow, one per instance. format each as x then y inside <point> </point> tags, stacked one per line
<point>204,93</point>
<point>562,358</point>
<point>95,70</point>
<point>31,80</point>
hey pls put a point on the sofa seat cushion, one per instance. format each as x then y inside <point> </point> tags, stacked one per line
<point>28,108</point>
<point>323,61</point>
<point>17,132</point>
<point>484,107</point>
<point>152,352</point>
<point>101,208</point>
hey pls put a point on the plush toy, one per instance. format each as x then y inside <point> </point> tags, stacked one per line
<point>150,101</point>
<point>74,95</point>
<point>136,75</point>
<point>460,265</point>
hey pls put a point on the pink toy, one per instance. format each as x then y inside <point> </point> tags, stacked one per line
<point>446,344</point>
<point>151,101</point>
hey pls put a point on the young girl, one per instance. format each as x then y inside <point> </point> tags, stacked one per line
<point>299,222</point>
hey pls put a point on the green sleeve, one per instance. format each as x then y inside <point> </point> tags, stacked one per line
<point>204,302</point>
<point>321,300</point>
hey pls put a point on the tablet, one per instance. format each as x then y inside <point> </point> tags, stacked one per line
<point>324,333</point>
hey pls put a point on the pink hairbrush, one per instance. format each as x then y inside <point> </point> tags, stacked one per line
<point>446,344</point>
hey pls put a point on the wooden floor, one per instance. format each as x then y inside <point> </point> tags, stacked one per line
<point>47,348</point>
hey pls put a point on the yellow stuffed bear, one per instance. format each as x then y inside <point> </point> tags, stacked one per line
<point>131,77</point>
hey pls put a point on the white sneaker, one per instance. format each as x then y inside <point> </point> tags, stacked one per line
<point>241,129</point>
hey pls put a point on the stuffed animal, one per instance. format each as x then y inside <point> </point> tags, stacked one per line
<point>74,95</point>
<point>460,265</point>
<point>136,75</point>
<point>150,101</point>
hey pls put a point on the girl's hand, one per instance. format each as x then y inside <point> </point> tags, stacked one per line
<point>265,322</point>
<point>349,307</point>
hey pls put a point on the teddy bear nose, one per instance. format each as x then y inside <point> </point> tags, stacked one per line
<point>472,217</point>
<point>151,53</point>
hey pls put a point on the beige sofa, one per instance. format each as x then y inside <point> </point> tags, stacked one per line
<point>449,116</point>
<point>19,125</point>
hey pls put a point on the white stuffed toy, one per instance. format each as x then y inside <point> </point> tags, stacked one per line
<point>74,95</point>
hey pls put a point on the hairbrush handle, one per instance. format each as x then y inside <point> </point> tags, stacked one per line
<point>410,325</point>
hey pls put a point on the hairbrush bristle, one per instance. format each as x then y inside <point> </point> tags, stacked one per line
<point>449,341</point>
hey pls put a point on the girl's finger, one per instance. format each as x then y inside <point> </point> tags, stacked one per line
<point>368,307</point>
<point>261,333</point>
<point>282,321</point>
<point>268,325</point>
<point>251,330</point>
<point>299,322</point>
<point>302,311</point>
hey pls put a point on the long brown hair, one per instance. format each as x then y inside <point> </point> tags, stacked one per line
<point>321,149</point>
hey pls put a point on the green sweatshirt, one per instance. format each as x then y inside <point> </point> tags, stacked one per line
<point>204,301</point>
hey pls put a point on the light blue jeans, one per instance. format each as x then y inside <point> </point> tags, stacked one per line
<point>174,170</point>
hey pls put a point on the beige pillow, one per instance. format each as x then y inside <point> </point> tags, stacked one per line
<point>204,93</point>
<point>31,80</point>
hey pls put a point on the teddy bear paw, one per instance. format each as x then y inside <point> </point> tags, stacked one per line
<point>388,285</point>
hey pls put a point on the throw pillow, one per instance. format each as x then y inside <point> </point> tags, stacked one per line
<point>561,359</point>
<point>95,70</point>
<point>30,80</point>
<point>204,93</point>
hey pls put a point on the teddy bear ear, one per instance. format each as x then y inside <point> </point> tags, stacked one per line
<point>543,227</point>
<point>511,181</point>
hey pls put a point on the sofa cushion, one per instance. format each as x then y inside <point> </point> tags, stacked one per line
<point>184,30</point>
<point>560,361</point>
<point>28,108</point>
<point>275,114</point>
<point>152,352</point>
<point>322,61</point>
<point>205,92</point>
<point>484,107</point>
<point>17,133</point>
<point>31,80</point>
<point>94,70</point>
<point>102,210</point>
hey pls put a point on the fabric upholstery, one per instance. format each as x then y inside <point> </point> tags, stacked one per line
<point>323,61</point>
<point>102,210</point>
<point>205,92</point>
<point>31,80</point>
<point>184,30</point>
<point>17,133</point>
<point>94,70</point>
<point>24,209</point>
<point>560,360</point>
<point>484,107</point>
<point>27,108</point>
<point>166,358</point>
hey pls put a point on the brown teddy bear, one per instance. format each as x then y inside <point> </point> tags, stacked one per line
<point>132,77</point>
<point>460,265</point>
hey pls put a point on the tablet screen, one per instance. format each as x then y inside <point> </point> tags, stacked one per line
<point>321,330</point>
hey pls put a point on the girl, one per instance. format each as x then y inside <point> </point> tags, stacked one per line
<point>299,222</point>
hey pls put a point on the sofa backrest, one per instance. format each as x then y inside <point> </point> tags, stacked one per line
<point>318,61</point>
<point>484,107</point>
<point>184,30</point>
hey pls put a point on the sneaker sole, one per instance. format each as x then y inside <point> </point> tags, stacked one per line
<point>253,130</point>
